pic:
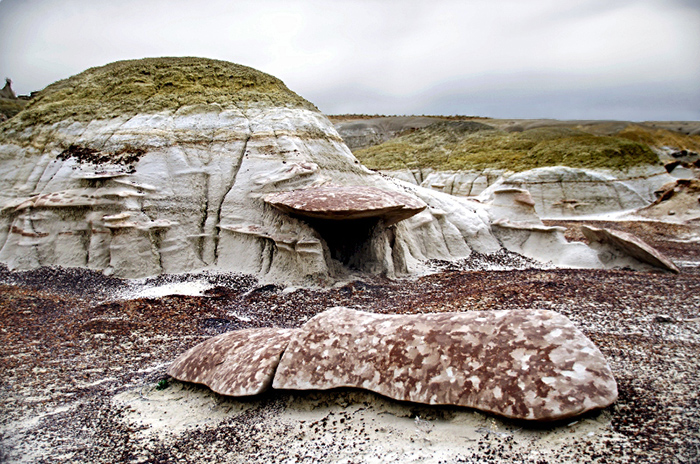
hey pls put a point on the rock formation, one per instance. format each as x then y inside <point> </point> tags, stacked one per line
<point>6,91</point>
<point>163,165</point>
<point>617,245</point>
<point>167,165</point>
<point>240,363</point>
<point>532,365</point>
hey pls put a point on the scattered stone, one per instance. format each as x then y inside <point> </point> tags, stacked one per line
<point>533,365</point>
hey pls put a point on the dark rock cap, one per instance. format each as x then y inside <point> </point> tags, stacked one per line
<point>347,202</point>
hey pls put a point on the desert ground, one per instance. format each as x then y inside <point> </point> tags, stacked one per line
<point>84,358</point>
<point>148,205</point>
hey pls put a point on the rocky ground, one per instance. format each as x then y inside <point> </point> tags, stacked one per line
<point>84,356</point>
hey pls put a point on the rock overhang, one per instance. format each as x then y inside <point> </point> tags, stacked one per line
<point>343,203</point>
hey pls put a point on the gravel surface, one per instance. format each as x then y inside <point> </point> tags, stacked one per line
<point>84,368</point>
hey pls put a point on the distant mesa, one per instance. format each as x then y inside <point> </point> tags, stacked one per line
<point>531,365</point>
<point>10,104</point>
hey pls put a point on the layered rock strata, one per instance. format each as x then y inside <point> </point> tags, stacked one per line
<point>557,191</point>
<point>532,365</point>
<point>162,166</point>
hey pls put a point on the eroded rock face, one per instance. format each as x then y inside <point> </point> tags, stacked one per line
<point>557,191</point>
<point>240,363</point>
<point>614,244</point>
<point>164,167</point>
<point>532,365</point>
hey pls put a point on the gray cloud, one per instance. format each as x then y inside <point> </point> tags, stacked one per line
<point>632,59</point>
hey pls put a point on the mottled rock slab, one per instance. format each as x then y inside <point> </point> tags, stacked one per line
<point>630,244</point>
<point>240,363</point>
<point>347,202</point>
<point>532,365</point>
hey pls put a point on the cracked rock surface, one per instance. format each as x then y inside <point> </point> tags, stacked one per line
<point>532,365</point>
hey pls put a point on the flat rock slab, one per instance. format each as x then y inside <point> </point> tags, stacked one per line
<point>532,365</point>
<point>347,202</point>
<point>630,244</point>
<point>240,363</point>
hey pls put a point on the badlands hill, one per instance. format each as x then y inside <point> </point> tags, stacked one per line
<point>167,165</point>
<point>571,168</point>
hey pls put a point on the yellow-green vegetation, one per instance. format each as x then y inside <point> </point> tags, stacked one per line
<point>125,88</point>
<point>439,147</point>
<point>661,138</point>
<point>10,107</point>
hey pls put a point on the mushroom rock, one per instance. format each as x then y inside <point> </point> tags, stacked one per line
<point>523,364</point>
<point>240,363</point>
<point>347,203</point>
<point>162,165</point>
<point>615,247</point>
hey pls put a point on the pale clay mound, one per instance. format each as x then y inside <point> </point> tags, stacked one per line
<point>176,189</point>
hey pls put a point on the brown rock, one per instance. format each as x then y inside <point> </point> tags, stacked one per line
<point>239,363</point>
<point>630,244</point>
<point>532,365</point>
<point>347,202</point>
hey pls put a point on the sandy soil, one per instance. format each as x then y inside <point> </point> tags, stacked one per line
<point>84,356</point>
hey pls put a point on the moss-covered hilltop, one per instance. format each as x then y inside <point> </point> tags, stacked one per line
<point>453,146</point>
<point>149,85</point>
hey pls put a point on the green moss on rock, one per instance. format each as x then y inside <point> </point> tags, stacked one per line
<point>149,85</point>
<point>441,149</point>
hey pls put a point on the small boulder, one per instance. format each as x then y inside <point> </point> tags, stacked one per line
<point>629,245</point>
<point>240,363</point>
<point>532,365</point>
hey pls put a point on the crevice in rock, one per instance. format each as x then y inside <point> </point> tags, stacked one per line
<point>113,132</point>
<point>156,238</point>
<point>202,223</point>
<point>234,174</point>
<point>268,255</point>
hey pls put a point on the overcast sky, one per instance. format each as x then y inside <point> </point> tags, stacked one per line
<point>566,59</point>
